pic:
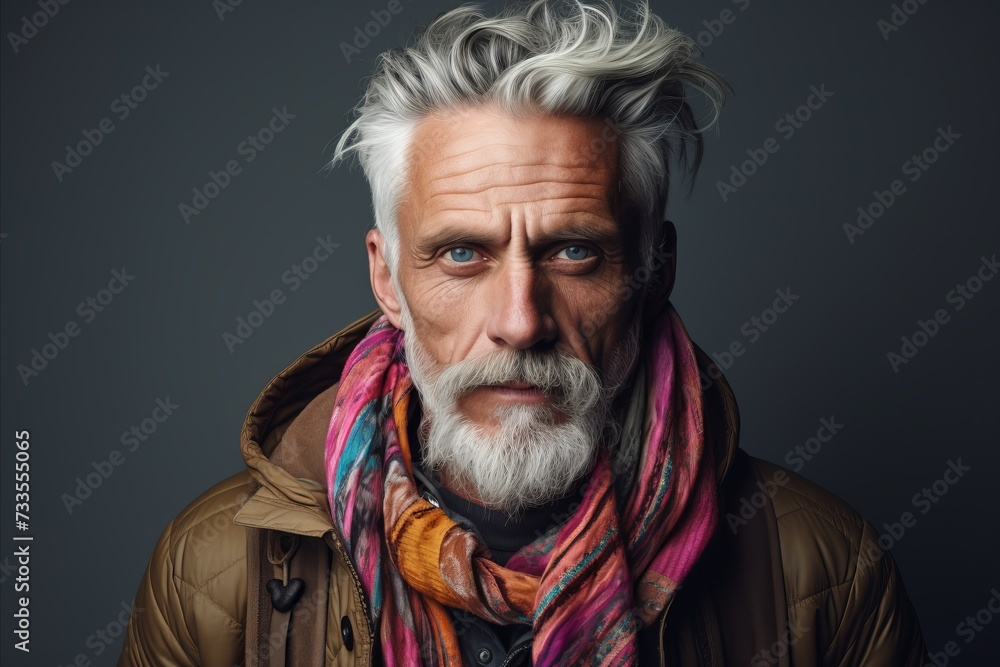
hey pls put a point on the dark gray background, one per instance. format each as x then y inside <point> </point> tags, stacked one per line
<point>162,336</point>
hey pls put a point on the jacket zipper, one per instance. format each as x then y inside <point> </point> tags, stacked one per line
<point>524,644</point>
<point>354,575</point>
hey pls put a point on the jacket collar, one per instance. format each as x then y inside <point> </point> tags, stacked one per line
<point>294,501</point>
<point>293,498</point>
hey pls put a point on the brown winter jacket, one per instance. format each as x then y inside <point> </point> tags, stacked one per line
<point>780,584</point>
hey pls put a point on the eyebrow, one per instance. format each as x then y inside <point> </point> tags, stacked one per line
<point>601,235</point>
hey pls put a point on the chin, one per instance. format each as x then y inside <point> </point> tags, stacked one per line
<point>515,419</point>
<point>525,460</point>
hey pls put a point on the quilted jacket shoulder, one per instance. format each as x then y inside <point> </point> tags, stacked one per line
<point>846,602</point>
<point>190,608</point>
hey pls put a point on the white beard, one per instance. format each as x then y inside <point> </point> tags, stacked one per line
<point>537,451</point>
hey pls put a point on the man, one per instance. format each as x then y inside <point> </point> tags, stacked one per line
<point>521,457</point>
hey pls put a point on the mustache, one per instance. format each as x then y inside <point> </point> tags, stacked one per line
<point>573,385</point>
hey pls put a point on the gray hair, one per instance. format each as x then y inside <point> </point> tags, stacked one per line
<point>543,56</point>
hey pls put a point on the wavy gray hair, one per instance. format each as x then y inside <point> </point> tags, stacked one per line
<point>544,56</point>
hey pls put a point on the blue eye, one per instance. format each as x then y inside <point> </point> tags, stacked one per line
<point>461,254</point>
<point>576,252</point>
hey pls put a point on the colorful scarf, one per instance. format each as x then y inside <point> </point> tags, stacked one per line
<point>586,587</point>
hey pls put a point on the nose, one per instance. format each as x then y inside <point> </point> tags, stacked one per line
<point>520,313</point>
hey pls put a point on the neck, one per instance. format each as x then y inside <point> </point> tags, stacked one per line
<point>503,532</point>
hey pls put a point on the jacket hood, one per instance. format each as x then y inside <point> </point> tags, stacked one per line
<point>284,435</point>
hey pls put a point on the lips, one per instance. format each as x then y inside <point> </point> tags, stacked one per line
<point>516,385</point>
<point>517,392</point>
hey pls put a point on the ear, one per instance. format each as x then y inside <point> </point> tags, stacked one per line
<point>381,278</point>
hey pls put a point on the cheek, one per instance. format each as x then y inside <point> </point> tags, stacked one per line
<point>590,313</point>
<point>446,317</point>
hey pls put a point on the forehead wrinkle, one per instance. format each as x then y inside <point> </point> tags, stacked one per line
<point>505,152</point>
<point>594,203</point>
<point>597,219</point>
<point>489,172</point>
<point>550,187</point>
<point>508,174</point>
<point>459,209</point>
<point>586,205</point>
<point>559,157</point>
